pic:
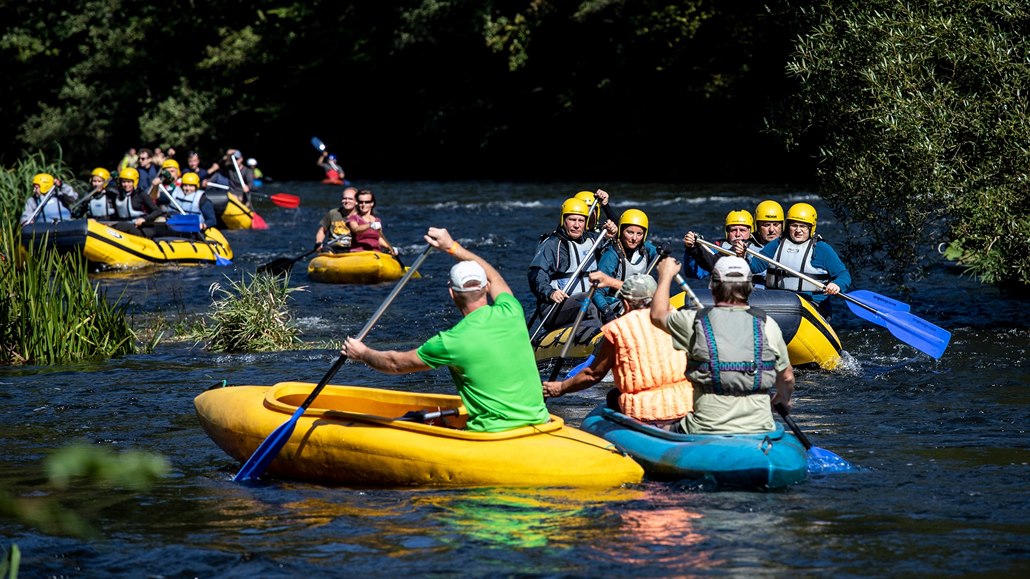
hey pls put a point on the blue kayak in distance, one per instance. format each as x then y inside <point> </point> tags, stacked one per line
<point>768,460</point>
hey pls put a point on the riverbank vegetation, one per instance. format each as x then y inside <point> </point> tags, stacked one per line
<point>250,315</point>
<point>910,118</point>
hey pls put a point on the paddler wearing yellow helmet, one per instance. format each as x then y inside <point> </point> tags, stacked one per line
<point>738,227</point>
<point>631,254</point>
<point>802,251</point>
<point>566,251</point>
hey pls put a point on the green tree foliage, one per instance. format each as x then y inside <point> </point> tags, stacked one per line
<point>920,114</point>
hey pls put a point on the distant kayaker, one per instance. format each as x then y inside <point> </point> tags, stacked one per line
<point>334,223</point>
<point>333,171</point>
<point>560,255</point>
<point>366,227</point>
<point>488,351</point>
<point>768,223</point>
<point>650,382</point>
<point>801,250</point>
<point>738,227</point>
<point>731,388</point>
<point>631,254</point>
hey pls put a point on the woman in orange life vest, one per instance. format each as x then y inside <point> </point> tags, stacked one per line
<point>650,383</point>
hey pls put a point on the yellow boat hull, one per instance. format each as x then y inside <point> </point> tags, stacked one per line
<point>355,267</point>
<point>106,247</point>
<point>231,211</point>
<point>350,435</point>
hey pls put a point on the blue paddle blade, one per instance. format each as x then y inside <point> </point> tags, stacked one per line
<point>822,461</point>
<point>318,144</point>
<point>911,329</point>
<point>184,223</point>
<point>219,260</point>
<point>579,368</point>
<point>269,449</point>
<point>879,301</point>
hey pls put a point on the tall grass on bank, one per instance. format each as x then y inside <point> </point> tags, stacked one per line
<point>16,183</point>
<point>250,316</point>
<point>50,313</point>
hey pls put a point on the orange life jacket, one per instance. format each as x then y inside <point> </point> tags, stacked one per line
<point>648,371</point>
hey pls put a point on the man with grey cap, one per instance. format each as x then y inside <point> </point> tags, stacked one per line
<point>488,351</point>
<point>649,374</point>
<point>736,355</point>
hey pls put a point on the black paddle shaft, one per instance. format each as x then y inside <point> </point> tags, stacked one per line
<point>793,426</point>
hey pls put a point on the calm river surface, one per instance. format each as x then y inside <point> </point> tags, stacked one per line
<point>942,446</point>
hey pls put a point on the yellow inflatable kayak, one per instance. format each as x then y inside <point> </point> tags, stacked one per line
<point>354,435</point>
<point>355,267</point>
<point>811,341</point>
<point>108,248</point>
<point>231,211</point>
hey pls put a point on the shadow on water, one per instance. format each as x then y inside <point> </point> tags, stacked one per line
<point>940,445</point>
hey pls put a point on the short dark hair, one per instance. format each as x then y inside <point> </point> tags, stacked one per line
<point>732,291</point>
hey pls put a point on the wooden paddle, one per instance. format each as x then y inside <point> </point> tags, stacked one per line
<point>913,330</point>
<point>269,449</point>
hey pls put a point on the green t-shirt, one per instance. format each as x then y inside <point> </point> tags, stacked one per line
<point>492,364</point>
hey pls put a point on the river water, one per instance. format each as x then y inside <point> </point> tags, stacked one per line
<point>941,446</point>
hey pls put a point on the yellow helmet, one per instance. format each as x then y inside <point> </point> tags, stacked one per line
<point>740,217</point>
<point>102,173</point>
<point>191,178</point>
<point>590,199</point>
<point>633,217</point>
<point>45,182</point>
<point>573,206</point>
<point>769,210</point>
<point>130,174</point>
<point>804,213</point>
<point>170,163</point>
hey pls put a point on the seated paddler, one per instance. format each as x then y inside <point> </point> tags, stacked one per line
<point>488,352</point>
<point>650,384</point>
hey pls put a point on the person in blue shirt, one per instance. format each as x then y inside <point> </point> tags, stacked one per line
<point>631,254</point>
<point>800,250</point>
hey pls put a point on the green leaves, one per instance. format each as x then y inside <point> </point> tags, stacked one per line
<point>251,316</point>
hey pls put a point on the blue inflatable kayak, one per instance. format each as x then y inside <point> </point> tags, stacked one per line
<point>768,460</point>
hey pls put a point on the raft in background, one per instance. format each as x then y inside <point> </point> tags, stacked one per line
<point>232,213</point>
<point>770,460</point>
<point>355,267</point>
<point>107,248</point>
<point>355,436</point>
<point>811,341</point>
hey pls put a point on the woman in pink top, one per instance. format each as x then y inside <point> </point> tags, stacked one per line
<point>366,228</point>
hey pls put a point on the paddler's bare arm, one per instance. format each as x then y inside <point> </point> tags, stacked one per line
<point>388,361</point>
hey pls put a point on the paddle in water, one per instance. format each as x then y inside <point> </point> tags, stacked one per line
<point>269,449</point>
<point>820,460</point>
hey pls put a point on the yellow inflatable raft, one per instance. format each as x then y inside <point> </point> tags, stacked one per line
<point>107,248</point>
<point>811,341</point>
<point>231,211</point>
<point>354,436</point>
<point>355,267</point>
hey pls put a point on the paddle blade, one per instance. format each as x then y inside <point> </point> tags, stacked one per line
<point>219,260</point>
<point>184,223</point>
<point>879,301</point>
<point>257,222</point>
<point>279,266</point>
<point>918,333</point>
<point>269,449</point>
<point>822,461</point>
<point>318,144</point>
<point>580,367</point>
<point>286,200</point>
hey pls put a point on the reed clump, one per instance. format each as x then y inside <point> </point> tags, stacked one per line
<point>250,315</point>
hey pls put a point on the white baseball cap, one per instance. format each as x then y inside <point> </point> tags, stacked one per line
<point>731,268</point>
<point>464,272</point>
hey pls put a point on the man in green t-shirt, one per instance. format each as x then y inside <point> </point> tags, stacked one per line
<point>488,351</point>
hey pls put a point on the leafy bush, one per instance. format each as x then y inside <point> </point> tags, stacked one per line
<point>920,114</point>
<point>251,316</point>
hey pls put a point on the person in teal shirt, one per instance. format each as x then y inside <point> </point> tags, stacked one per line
<point>488,352</point>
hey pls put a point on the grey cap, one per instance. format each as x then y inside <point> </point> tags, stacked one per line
<point>637,288</point>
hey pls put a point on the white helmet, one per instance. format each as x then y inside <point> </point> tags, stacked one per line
<point>252,162</point>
